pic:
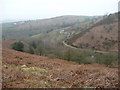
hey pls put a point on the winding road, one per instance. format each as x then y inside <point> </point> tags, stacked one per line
<point>69,45</point>
<point>96,51</point>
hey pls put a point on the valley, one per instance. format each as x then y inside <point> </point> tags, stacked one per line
<point>61,52</point>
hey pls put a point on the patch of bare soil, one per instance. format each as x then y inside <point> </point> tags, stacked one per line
<point>23,70</point>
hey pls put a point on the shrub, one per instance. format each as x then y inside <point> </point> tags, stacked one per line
<point>40,50</point>
<point>68,55</point>
<point>33,44</point>
<point>18,46</point>
<point>30,50</point>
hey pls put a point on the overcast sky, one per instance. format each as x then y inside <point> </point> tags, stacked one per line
<point>33,9</point>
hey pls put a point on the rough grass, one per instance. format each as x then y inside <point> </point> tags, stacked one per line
<point>35,70</point>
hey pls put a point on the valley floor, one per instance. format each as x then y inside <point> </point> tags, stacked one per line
<point>23,70</point>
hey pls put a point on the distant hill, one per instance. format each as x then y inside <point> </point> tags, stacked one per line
<point>102,35</point>
<point>10,20</point>
<point>25,29</point>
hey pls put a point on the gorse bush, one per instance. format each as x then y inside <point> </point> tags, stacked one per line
<point>18,46</point>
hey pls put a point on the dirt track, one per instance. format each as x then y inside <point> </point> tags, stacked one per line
<point>23,70</point>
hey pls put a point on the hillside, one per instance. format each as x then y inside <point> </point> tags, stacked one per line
<point>23,70</point>
<point>14,30</point>
<point>8,44</point>
<point>57,60</point>
<point>102,35</point>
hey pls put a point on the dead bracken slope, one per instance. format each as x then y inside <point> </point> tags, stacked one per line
<point>23,70</point>
<point>100,37</point>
